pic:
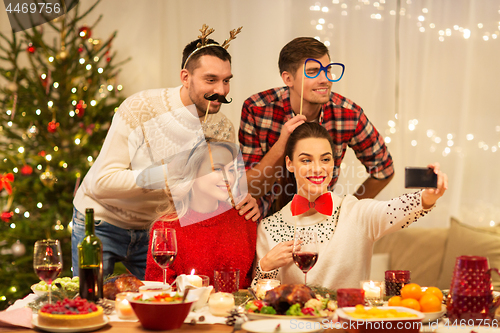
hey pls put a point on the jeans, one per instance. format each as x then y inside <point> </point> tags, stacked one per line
<point>126,245</point>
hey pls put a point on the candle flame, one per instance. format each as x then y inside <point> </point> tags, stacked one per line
<point>192,271</point>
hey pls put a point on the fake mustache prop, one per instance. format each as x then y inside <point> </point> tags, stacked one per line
<point>218,98</point>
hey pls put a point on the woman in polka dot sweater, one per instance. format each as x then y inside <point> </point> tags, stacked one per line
<point>348,230</point>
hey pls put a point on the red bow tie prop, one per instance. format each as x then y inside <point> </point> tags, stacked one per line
<point>323,204</point>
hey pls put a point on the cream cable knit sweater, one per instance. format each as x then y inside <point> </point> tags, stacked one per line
<point>345,241</point>
<point>110,186</point>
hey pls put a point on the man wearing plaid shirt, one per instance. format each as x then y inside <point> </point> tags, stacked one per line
<point>270,116</point>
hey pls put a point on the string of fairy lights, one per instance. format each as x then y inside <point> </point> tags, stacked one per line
<point>378,11</point>
<point>328,12</point>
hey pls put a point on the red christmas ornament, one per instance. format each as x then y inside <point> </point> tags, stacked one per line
<point>31,49</point>
<point>42,153</point>
<point>108,59</point>
<point>52,126</point>
<point>80,108</point>
<point>84,32</point>
<point>7,216</point>
<point>26,170</point>
<point>80,49</point>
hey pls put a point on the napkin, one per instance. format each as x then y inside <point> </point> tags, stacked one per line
<point>16,318</point>
<point>182,282</point>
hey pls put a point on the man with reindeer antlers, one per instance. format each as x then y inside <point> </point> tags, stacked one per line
<point>148,127</point>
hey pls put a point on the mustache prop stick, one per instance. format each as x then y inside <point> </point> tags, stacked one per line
<point>221,99</point>
<point>215,97</point>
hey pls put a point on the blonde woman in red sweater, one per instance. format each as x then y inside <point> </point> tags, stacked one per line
<point>211,234</point>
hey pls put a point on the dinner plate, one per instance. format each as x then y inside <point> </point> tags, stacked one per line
<point>259,316</point>
<point>89,328</point>
<point>433,316</point>
<point>286,326</point>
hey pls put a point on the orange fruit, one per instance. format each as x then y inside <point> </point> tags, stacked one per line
<point>434,291</point>
<point>430,303</point>
<point>411,290</point>
<point>411,303</point>
<point>395,301</point>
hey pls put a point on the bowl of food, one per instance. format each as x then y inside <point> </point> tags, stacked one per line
<point>161,311</point>
<point>68,286</point>
<point>383,319</point>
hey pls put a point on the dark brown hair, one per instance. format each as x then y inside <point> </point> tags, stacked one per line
<point>215,51</point>
<point>295,52</point>
<point>306,131</point>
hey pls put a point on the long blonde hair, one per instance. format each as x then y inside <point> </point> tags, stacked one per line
<point>188,163</point>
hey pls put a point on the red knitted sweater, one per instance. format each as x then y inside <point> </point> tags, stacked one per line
<point>223,239</point>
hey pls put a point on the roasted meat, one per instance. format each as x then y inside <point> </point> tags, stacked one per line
<point>120,284</point>
<point>285,295</point>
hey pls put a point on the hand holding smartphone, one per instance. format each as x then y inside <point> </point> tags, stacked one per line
<point>416,177</point>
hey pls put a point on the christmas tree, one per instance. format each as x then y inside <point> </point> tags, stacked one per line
<point>57,98</point>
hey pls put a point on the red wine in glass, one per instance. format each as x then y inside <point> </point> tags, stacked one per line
<point>47,261</point>
<point>305,260</point>
<point>48,273</point>
<point>164,259</point>
<point>305,250</point>
<point>164,249</point>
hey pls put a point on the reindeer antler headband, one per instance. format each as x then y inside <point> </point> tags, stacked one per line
<point>205,32</point>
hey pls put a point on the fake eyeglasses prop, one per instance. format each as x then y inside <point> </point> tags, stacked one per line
<point>333,71</point>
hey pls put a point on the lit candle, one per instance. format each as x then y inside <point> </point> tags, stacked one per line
<point>373,289</point>
<point>220,304</point>
<point>263,285</point>
<point>123,308</point>
<point>195,280</point>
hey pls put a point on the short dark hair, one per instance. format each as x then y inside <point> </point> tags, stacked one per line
<point>296,51</point>
<point>306,131</point>
<point>216,51</point>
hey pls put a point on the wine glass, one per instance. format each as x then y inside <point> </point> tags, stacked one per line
<point>47,261</point>
<point>164,249</point>
<point>305,250</point>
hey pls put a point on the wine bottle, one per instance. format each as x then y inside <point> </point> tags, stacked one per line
<point>90,261</point>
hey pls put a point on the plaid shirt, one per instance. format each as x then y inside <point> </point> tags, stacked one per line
<point>264,114</point>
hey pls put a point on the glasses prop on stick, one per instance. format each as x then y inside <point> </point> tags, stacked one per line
<point>333,72</point>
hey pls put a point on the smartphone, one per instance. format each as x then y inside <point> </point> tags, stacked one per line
<point>416,177</point>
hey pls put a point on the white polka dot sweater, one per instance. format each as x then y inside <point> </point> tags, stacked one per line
<point>345,239</point>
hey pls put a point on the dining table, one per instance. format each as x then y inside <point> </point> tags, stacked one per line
<point>127,326</point>
<point>135,327</point>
